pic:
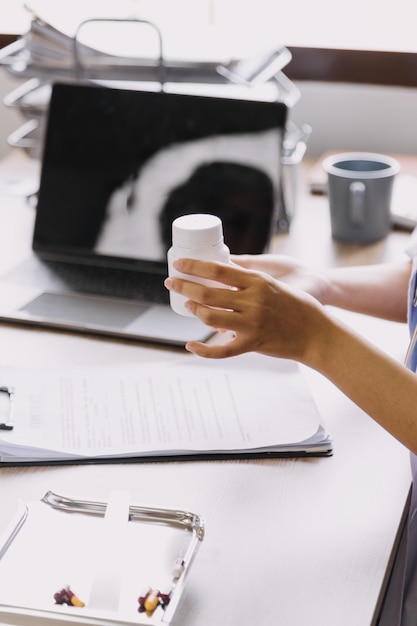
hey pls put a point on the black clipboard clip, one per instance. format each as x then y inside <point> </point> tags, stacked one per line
<point>8,424</point>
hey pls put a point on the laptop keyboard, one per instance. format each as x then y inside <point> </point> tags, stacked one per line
<point>111,282</point>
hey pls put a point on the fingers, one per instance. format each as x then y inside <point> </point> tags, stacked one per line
<point>232,348</point>
<point>217,298</point>
<point>214,315</point>
<point>224,273</point>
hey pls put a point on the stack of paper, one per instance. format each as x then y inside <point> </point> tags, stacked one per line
<point>249,407</point>
<point>124,47</point>
<point>75,45</point>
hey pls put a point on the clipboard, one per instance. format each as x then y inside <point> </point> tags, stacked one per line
<point>156,412</point>
<point>113,555</point>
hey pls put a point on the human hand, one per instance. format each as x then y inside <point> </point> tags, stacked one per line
<point>288,270</point>
<point>266,315</point>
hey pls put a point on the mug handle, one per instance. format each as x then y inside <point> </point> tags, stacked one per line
<point>357,202</point>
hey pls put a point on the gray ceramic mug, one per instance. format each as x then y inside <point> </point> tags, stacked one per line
<point>359,186</point>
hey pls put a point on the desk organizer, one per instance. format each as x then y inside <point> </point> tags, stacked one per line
<point>46,54</point>
<point>125,564</point>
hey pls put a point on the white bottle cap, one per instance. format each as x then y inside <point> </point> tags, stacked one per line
<point>197,230</point>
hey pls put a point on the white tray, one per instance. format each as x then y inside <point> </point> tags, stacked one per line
<point>108,553</point>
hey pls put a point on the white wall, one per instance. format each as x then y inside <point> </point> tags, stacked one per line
<point>342,116</point>
<point>358,117</point>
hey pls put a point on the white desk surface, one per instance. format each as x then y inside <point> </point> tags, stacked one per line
<point>294,542</point>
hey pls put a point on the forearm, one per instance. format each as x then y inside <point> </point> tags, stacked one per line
<point>276,319</point>
<point>380,385</point>
<point>378,290</point>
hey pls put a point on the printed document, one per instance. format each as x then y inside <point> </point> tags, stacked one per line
<point>246,406</point>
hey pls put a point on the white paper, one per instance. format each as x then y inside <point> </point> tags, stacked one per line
<point>166,408</point>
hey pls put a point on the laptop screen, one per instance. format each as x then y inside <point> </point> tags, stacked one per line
<point>120,165</point>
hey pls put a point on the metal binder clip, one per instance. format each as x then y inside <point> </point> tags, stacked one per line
<point>7,424</point>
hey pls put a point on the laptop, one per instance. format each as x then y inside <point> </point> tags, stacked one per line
<point>118,166</point>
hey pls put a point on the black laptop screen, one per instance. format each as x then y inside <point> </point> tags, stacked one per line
<point>119,165</point>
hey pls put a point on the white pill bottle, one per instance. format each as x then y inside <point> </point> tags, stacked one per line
<point>195,236</point>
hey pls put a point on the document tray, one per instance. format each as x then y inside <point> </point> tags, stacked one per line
<point>113,556</point>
